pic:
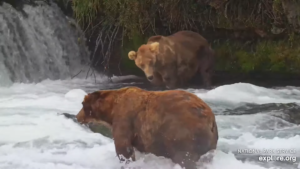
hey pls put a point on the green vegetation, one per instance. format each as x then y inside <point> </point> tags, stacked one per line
<point>132,44</point>
<point>123,25</point>
<point>261,57</point>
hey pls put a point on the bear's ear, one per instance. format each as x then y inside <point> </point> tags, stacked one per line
<point>154,47</point>
<point>132,55</point>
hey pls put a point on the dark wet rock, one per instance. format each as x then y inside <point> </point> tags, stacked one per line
<point>96,127</point>
<point>289,112</point>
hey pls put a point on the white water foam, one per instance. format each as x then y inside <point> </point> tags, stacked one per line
<point>33,136</point>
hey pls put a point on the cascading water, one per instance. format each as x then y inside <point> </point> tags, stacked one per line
<point>42,44</point>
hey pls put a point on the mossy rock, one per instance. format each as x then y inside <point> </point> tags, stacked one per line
<point>146,18</point>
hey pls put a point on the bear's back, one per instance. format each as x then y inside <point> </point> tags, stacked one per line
<point>189,40</point>
<point>174,120</point>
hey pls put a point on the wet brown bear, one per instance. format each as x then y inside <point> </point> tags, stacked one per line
<point>175,124</point>
<point>174,60</point>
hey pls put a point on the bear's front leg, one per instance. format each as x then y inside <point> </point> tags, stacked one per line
<point>123,135</point>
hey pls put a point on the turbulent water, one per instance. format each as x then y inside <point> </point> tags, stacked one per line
<point>41,44</point>
<point>37,44</point>
<point>34,136</point>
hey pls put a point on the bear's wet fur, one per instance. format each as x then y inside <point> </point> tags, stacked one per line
<point>175,124</point>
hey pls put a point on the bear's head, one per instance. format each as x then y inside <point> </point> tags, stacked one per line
<point>96,106</point>
<point>145,58</point>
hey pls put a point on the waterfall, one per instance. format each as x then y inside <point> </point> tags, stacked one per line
<point>39,43</point>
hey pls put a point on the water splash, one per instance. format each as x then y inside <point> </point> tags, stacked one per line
<point>39,45</point>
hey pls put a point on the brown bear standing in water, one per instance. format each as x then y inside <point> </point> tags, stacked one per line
<point>174,60</point>
<point>175,124</point>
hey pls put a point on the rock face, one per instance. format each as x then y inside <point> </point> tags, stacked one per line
<point>96,127</point>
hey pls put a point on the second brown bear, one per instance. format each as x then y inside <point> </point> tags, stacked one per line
<point>174,60</point>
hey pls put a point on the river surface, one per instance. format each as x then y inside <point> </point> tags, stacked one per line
<point>34,136</point>
<point>40,42</point>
